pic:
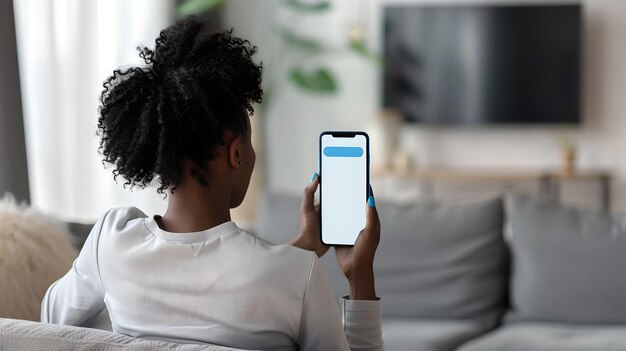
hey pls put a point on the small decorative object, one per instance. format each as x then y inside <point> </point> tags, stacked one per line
<point>402,162</point>
<point>568,153</point>
<point>384,132</point>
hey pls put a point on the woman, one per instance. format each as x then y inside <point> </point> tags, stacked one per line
<point>191,275</point>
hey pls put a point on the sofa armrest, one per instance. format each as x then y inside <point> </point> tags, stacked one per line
<point>23,335</point>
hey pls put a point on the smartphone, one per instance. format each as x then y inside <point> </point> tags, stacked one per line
<point>344,185</point>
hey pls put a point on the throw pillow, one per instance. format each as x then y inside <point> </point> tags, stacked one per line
<point>439,259</point>
<point>35,250</point>
<point>567,264</point>
<point>443,259</point>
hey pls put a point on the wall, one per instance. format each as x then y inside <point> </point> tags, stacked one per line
<point>295,119</point>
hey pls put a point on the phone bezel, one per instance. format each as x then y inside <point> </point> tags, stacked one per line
<point>343,134</point>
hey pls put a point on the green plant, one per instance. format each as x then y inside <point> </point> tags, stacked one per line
<point>567,143</point>
<point>308,73</point>
<point>192,7</point>
<point>321,78</point>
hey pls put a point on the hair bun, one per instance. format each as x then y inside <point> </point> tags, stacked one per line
<point>196,86</point>
<point>175,43</point>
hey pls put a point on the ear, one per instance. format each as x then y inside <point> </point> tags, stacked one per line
<point>234,152</point>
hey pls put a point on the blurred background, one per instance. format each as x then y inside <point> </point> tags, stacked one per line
<point>498,150</point>
<point>460,98</point>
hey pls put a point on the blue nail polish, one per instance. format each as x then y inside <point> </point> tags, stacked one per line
<point>371,202</point>
<point>314,176</point>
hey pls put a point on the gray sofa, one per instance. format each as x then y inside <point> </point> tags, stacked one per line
<point>450,280</point>
<point>19,335</point>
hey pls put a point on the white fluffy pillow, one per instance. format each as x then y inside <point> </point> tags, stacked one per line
<point>35,251</point>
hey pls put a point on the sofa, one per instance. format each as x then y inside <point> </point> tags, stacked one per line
<point>21,335</point>
<point>511,273</point>
<point>481,275</point>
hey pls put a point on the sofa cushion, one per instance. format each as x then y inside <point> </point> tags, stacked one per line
<point>435,259</point>
<point>551,337</point>
<point>80,232</point>
<point>19,335</point>
<point>568,264</point>
<point>442,259</point>
<point>428,334</point>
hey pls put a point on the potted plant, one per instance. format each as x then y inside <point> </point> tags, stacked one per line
<point>568,154</point>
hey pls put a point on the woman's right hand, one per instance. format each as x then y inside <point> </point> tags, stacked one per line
<point>357,262</point>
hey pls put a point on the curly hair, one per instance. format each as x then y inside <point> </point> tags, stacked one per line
<point>195,86</point>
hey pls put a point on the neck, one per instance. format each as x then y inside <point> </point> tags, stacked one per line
<point>195,208</point>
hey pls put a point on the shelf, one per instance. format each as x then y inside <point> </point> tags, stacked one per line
<point>549,180</point>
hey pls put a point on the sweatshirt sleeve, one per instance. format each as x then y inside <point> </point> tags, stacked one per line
<point>79,295</point>
<point>362,321</point>
<point>321,325</point>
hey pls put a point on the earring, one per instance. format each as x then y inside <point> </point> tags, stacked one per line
<point>239,163</point>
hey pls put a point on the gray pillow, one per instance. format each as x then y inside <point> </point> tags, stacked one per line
<point>435,259</point>
<point>568,264</point>
<point>442,260</point>
<point>279,217</point>
<point>80,232</point>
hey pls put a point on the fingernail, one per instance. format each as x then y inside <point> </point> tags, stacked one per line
<point>371,202</point>
<point>314,176</point>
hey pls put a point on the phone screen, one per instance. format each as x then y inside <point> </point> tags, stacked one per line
<point>344,171</point>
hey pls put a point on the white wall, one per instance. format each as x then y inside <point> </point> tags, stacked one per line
<point>295,119</point>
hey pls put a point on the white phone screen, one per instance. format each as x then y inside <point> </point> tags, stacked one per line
<point>344,184</point>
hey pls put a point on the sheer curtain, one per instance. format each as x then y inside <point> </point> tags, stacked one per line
<point>66,49</point>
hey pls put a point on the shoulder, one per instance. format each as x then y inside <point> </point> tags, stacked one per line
<point>286,249</point>
<point>116,219</point>
<point>285,255</point>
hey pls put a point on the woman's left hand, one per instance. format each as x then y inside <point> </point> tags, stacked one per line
<point>309,237</point>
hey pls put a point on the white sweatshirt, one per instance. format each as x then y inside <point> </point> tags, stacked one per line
<point>222,286</point>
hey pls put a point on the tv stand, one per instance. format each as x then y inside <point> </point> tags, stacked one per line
<point>549,181</point>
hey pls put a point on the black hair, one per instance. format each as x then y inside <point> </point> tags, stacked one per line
<point>194,87</point>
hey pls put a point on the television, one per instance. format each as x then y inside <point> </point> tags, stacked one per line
<point>483,64</point>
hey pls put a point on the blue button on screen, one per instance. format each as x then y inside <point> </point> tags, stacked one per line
<point>343,151</point>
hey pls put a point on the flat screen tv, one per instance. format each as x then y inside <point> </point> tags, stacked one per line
<point>483,64</point>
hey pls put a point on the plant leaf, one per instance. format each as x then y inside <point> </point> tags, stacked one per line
<point>299,41</point>
<point>319,81</point>
<point>300,5</point>
<point>195,7</point>
<point>359,47</point>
